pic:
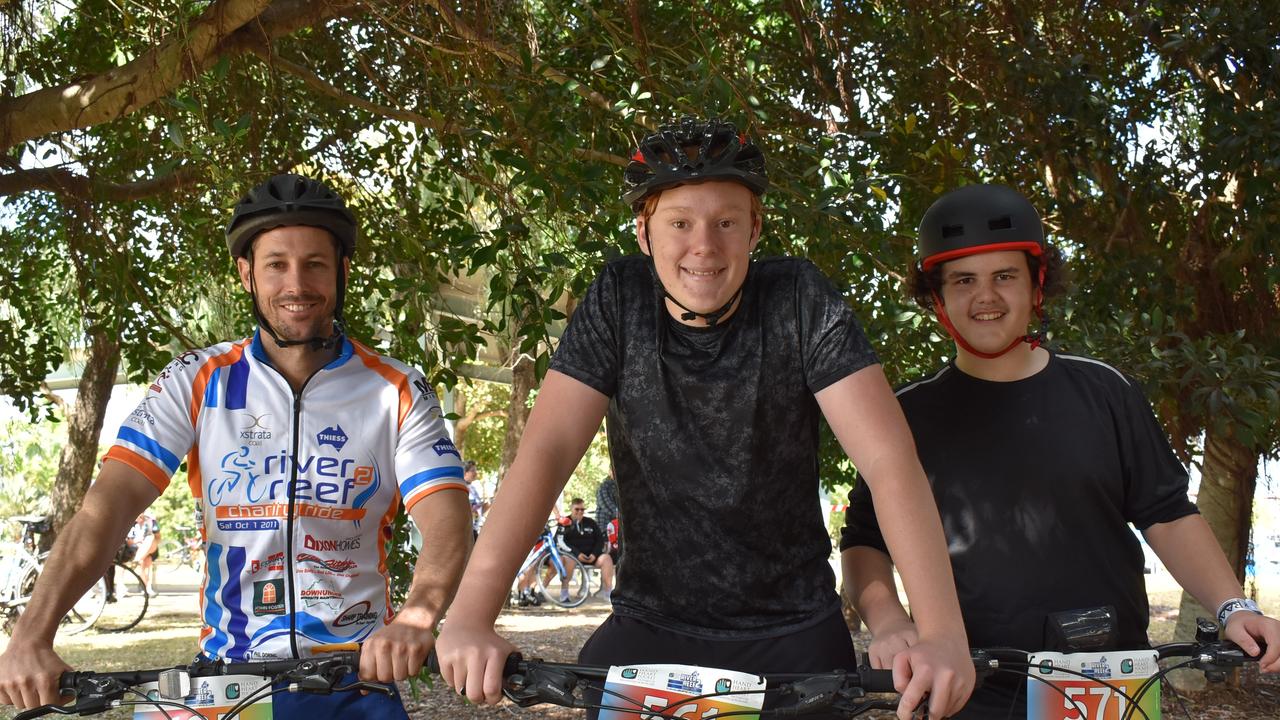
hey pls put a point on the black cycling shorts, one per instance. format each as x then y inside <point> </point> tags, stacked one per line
<point>822,647</point>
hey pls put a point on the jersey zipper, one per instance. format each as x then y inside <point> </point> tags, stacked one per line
<point>288,534</point>
<point>290,492</point>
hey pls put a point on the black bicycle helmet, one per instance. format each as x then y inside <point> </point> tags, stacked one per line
<point>290,200</point>
<point>976,219</point>
<point>692,150</point>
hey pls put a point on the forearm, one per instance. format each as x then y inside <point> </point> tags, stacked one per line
<point>868,581</point>
<point>444,520</point>
<point>877,439</point>
<point>84,549</point>
<point>1188,548</point>
<point>912,529</point>
<point>518,514</point>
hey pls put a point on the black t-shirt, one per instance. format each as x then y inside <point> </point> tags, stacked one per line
<point>1036,481</point>
<point>713,433</point>
<point>583,537</point>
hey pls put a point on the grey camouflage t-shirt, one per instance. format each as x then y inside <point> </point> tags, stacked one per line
<point>713,433</point>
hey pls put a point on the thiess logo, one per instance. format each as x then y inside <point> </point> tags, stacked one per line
<point>332,436</point>
<point>326,545</point>
<point>358,614</point>
<point>444,446</point>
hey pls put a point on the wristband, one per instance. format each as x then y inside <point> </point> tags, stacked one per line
<point>1233,606</point>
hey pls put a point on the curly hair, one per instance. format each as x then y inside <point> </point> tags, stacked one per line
<point>921,285</point>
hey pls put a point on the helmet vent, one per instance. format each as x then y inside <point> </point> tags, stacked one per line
<point>950,231</point>
<point>1000,223</point>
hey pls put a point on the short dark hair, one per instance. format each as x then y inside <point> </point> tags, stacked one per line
<point>921,285</point>
<point>468,465</point>
<point>577,501</point>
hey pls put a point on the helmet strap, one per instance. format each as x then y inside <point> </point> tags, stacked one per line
<point>712,317</point>
<point>316,343</point>
<point>1033,339</point>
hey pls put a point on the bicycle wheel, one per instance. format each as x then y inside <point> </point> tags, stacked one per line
<point>569,589</point>
<point>79,618</point>
<point>86,611</point>
<point>126,600</point>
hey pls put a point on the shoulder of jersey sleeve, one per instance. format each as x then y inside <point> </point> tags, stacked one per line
<point>921,385</point>
<point>1096,371</point>
<point>187,365</point>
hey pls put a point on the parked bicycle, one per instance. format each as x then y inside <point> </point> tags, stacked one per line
<point>188,687</point>
<point>186,549</point>
<point>115,603</point>
<point>559,578</point>
<point>681,692</point>
<point>20,566</point>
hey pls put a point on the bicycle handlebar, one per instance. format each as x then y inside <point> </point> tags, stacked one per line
<point>534,681</point>
<point>95,692</point>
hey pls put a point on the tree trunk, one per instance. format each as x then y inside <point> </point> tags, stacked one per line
<point>1226,502</point>
<point>522,382</point>
<point>460,426</point>
<point>84,424</point>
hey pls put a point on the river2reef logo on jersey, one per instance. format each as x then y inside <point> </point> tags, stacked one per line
<point>320,486</point>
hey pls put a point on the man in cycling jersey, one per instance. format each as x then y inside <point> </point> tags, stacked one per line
<point>301,445</point>
<point>1038,461</point>
<point>715,371</point>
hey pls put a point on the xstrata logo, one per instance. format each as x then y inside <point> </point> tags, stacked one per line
<point>255,429</point>
<point>319,545</point>
<point>358,614</point>
<point>332,436</point>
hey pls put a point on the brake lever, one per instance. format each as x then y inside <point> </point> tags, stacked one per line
<point>539,684</point>
<point>92,695</point>
<point>365,685</point>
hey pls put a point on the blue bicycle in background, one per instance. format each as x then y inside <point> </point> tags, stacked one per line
<point>557,576</point>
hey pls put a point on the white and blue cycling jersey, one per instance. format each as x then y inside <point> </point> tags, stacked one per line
<point>296,493</point>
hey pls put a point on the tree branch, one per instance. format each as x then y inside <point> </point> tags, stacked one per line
<point>65,182</point>
<point>227,27</point>
<point>324,87</point>
<point>511,58</point>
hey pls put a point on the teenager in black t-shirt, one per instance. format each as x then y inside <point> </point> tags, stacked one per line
<point>1038,461</point>
<point>715,372</point>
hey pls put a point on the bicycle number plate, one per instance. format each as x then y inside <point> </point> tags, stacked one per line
<point>630,690</point>
<point>1114,681</point>
<point>211,697</point>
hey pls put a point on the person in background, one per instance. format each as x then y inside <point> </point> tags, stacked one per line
<point>586,541</point>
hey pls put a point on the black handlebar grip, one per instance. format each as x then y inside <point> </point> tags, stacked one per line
<point>877,681</point>
<point>433,663</point>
